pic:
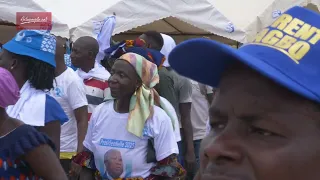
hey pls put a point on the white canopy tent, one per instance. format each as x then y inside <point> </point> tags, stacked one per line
<point>182,19</point>
<point>233,19</point>
<point>9,8</point>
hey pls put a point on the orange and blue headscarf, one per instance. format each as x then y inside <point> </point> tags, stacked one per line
<point>137,46</point>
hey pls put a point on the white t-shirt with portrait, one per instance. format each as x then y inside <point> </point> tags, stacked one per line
<point>70,93</point>
<point>120,154</point>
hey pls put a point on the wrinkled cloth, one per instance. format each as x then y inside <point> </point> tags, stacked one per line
<point>168,45</point>
<point>9,89</point>
<point>142,101</point>
<point>104,36</point>
<point>98,72</point>
<point>136,46</point>
<point>31,102</point>
<point>14,146</point>
<point>38,44</point>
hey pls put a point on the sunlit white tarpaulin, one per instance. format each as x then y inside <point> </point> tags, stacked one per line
<point>233,19</point>
<point>9,8</point>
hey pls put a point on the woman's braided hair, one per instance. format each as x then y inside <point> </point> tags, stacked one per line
<point>40,74</point>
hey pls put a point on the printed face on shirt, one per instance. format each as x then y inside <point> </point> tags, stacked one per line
<point>113,163</point>
<point>260,131</point>
<point>123,80</point>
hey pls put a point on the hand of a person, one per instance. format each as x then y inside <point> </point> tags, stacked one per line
<point>190,161</point>
<point>75,170</point>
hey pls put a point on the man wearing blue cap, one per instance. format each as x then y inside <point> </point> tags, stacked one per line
<point>265,118</point>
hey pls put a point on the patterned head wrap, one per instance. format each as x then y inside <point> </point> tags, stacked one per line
<point>142,101</point>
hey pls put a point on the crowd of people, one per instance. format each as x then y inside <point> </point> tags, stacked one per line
<point>131,115</point>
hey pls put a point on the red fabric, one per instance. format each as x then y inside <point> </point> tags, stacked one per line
<point>96,83</point>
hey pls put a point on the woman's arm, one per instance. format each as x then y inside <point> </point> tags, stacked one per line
<point>83,165</point>
<point>168,169</point>
<point>166,149</point>
<point>86,174</point>
<point>52,130</point>
<point>47,166</point>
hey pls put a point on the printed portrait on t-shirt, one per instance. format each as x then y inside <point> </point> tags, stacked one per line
<point>113,163</point>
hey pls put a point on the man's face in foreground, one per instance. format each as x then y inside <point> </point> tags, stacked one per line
<point>260,131</point>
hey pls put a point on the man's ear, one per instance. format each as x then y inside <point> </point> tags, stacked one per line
<point>90,53</point>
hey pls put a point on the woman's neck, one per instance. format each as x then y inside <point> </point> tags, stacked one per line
<point>122,105</point>
<point>20,77</point>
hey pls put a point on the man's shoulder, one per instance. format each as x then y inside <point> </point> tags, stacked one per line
<point>72,77</point>
<point>164,72</point>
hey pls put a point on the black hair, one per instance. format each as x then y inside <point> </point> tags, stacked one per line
<point>107,62</point>
<point>40,74</point>
<point>6,23</point>
<point>156,37</point>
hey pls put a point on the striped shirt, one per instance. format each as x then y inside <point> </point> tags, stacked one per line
<point>96,90</point>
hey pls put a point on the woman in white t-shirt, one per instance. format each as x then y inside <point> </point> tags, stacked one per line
<point>122,128</point>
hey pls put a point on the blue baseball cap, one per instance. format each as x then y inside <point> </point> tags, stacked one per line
<point>38,44</point>
<point>287,51</point>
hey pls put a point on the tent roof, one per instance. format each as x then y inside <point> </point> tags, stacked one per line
<point>170,25</point>
<point>187,18</point>
<point>174,27</point>
<point>9,8</point>
<point>236,20</point>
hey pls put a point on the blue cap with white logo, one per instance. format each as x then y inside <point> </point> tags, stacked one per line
<point>38,44</point>
<point>287,51</point>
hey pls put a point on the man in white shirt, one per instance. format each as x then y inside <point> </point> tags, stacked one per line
<point>69,91</point>
<point>201,99</point>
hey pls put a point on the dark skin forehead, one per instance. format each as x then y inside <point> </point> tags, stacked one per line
<point>123,66</point>
<point>265,93</point>
<point>260,130</point>
<point>86,43</point>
